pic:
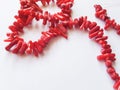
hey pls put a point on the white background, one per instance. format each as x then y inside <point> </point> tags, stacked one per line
<point>66,64</point>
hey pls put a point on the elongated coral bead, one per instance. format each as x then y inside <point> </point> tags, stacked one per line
<point>117,85</point>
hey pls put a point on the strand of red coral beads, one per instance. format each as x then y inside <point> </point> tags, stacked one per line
<point>97,35</point>
<point>109,23</point>
<point>29,11</point>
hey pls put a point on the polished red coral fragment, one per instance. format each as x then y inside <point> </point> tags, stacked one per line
<point>117,85</point>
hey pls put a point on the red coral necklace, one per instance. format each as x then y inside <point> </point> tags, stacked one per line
<point>59,23</point>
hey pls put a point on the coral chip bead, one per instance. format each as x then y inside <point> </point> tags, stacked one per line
<point>117,85</point>
<point>23,48</point>
<point>108,63</point>
<point>110,70</point>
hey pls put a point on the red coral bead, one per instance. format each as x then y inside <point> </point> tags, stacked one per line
<point>110,70</point>
<point>117,85</point>
<point>23,48</point>
<point>14,42</point>
<point>108,63</point>
<point>17,47</point>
